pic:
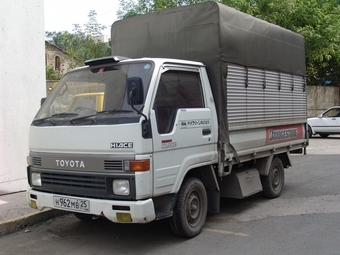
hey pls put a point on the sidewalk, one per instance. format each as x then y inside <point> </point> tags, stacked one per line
<point>16,214</point>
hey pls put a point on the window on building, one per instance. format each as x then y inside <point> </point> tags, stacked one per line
<point>57,63</point>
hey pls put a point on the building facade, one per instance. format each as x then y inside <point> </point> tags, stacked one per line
<point>58,59</point>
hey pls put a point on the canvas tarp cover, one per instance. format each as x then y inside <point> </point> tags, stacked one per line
<point>216,35</point>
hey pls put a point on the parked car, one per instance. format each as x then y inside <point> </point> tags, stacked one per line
<point>327,123</point>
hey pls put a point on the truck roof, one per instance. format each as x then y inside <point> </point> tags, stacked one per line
<point>166,60</point>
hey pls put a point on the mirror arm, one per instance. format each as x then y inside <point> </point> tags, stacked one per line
<point>133,107</point>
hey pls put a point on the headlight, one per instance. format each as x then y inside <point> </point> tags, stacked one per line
<point>36,179</point>
<point>121,187</point>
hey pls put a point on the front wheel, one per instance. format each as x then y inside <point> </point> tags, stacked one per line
<point>273,183</point>
<point>190,210</point>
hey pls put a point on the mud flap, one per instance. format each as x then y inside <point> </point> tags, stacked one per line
<point>213,201</point>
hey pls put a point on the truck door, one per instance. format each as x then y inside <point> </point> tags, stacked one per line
<point>182,128</point>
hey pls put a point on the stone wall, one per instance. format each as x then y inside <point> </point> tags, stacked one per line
<point>51,52</point>
<point>320,98</point>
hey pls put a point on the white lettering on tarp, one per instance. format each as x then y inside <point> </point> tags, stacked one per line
<point>121,145</point>
<point>70,163</point>
<point>194,123</point>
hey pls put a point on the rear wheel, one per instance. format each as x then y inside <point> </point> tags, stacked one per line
<point>273,183</point>
<point>86,217</point>
<point>190,210</point>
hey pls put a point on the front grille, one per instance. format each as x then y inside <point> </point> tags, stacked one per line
<point>82,184</point>
<point>36,161</point>
<point>87,182</point>
<point>113,165</point>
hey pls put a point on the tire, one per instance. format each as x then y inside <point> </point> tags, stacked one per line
<point>324,135</point>
<point>310,133</point>
<point>191,208</point>
<point>86,217</point>
<point>273,183</point>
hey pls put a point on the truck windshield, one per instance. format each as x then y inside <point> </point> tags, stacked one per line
<point>94,95</point>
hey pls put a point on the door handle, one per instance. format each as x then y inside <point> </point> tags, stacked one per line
<point>206,131</point>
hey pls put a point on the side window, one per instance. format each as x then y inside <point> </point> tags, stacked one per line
<point>176,90</point>
<point>332,113</point>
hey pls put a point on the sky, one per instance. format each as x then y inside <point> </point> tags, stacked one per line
<point>60,15</point>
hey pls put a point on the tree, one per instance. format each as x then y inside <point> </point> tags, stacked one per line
<point>131,8</point>
<point>82,44</point>
<point>317,20</point>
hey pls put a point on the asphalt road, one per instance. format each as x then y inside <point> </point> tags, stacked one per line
<point>304,220</point>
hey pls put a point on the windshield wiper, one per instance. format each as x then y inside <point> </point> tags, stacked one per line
<point>49,118</point>
<point>84,116</point>
<point>80,117</point>
<point>114,111</point>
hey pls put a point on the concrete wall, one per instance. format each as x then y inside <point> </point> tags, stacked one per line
<point>22,84</point>
<point>320,98</point>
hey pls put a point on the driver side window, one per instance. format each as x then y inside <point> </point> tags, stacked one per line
<point>176,90</point>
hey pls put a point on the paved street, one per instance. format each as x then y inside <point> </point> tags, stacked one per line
<point>304,220</point>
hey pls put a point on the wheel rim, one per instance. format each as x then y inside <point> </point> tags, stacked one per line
<point>276,179</point>
<point>193,208</point>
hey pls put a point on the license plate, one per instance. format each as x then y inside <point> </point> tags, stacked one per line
<point>74,204</point>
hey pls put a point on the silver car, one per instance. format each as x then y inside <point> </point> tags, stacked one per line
<point>325,124</point>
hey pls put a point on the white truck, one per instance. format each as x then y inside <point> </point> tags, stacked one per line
<point>208,103</point>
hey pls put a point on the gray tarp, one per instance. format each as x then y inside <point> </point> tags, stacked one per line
<point>214,34</point>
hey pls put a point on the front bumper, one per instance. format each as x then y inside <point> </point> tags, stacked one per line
<point>140,211</point>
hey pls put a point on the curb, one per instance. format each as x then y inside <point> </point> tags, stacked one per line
<point>15,225</point>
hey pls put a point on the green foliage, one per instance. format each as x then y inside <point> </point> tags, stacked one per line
<point>317,20</point>
<point>52,74</point>
<point>84,43</point>
<point>131,8</point>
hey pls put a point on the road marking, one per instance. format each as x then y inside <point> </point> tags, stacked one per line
<point>224,232</point>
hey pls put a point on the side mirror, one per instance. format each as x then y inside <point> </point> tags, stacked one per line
<point>135,90</point>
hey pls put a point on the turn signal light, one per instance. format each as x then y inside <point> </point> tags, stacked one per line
<point>139,165</point>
